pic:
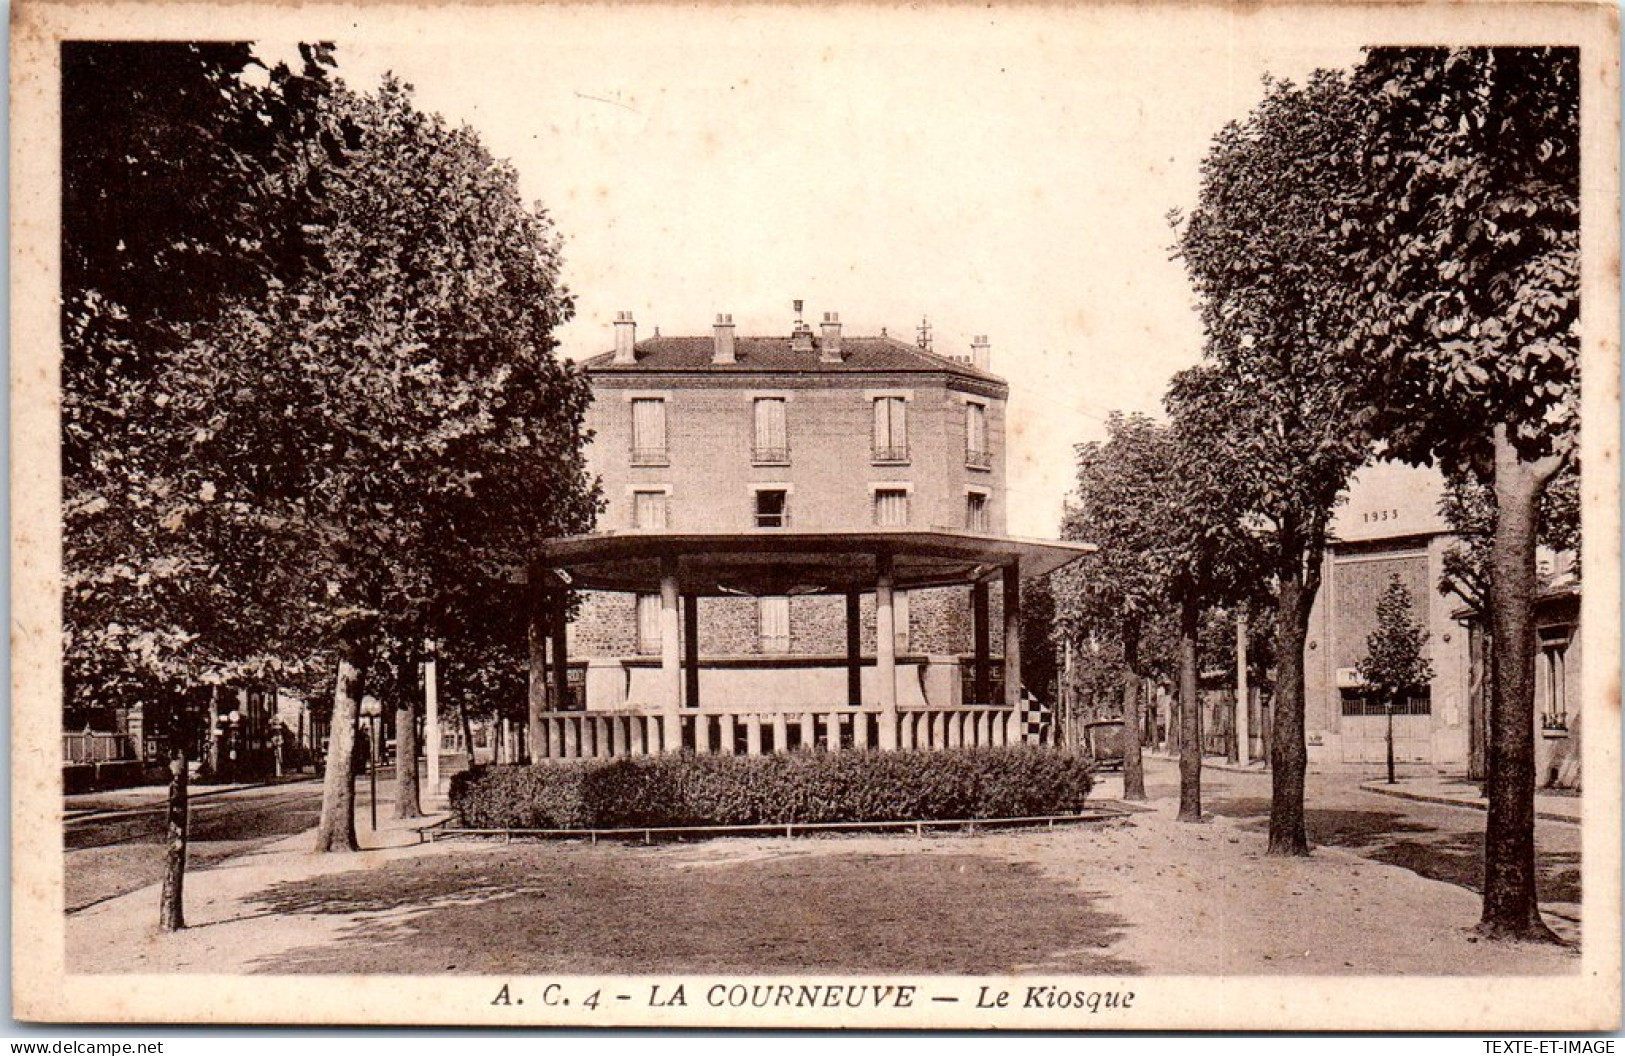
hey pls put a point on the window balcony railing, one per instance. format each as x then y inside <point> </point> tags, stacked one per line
<point>650,456</point>
<point>891,454</point>
<point>772,456</point>
<point>978,459</point>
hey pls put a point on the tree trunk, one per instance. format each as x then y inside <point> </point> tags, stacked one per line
<point>1477,712</point>
<point>408,800</point>
<point>1190,717</point>
<point>1510,907</point>
<point>468,733</point>
<point>171,912</point>
<point>211,762</point>
<point>336,830</point>
<point>1133,763</point>
<point>1176,713</point>
<point>536,687</point>
<point>1266,724</point>
<point>1289,753</point>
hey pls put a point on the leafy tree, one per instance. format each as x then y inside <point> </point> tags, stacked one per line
<point>1156,500</point>
<point>1464,242</point>
<point>1393,666</point>
<point>1116,592</point>
<point>400,413</point>
<point>1208,556</point>
<point>176,199</point>
<point>1468,506</point>
<point>1262,252</point>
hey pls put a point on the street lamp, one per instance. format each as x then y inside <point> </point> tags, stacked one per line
<point>233,738</point>
<point>1390,740</point>
<point>373,711</point>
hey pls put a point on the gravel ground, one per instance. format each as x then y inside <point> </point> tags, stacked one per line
<point>1145,896</point>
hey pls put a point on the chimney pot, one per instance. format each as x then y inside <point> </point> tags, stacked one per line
<point>723,339</point>
<point>980,353</point>
<point>829,343</point>
<point>626,338</point>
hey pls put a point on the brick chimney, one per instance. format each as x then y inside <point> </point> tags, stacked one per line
<point>801,339</point>
<point>723,335</point>
<point>626,338</point>
<point>829,342</point>
<point>980,357</point>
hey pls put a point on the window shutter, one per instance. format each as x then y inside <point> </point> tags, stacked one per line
<point>770,430</point>
<point>648,623</point>
<point>649,425</point>
<point>976,425</point>
<point>649,509</point>
<point>773,616</point>
<point>891,509</point>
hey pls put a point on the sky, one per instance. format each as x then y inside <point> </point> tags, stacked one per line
<point>998,171</point>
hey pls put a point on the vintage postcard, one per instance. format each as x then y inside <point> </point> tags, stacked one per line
<point>927,517</point>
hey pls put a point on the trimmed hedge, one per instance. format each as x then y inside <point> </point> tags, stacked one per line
<point>798,787</point>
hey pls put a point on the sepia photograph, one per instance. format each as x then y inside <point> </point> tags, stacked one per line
<point>1032,517</point>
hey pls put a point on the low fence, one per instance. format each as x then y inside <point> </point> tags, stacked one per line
<point>444,830</point>
<point>96,748</point>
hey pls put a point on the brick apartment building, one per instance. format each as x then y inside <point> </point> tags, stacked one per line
<point>798,493</point>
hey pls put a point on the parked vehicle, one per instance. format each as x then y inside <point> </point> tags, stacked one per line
<point>1104,741</point>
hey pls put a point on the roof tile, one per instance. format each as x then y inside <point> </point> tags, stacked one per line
<point>763,354</point>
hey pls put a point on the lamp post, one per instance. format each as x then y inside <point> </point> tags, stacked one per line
<point>234,739</point>
<point>373,711</point>
<point>1390,738</point>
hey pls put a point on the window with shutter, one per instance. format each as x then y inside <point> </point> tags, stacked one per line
<point>773,621</point>
<point>649,509</point>
<point>648,623</point>
<point>649,433</point>
<point>891,429</point>
<point>772,441</point>
<point>976,454</point>
<point>891,508</point>
<point>976,518</point>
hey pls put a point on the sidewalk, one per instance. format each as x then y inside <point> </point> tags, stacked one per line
<point>138,797</point>
<point>1457,791</point>
<point>1423,784</point>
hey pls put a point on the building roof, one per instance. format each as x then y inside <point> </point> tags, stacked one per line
<point>779,563</point>
<point>861,355</point>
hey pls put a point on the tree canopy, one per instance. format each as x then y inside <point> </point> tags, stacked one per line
<point>326,441</point>
<point>1464,239</point>
<point>183,192</point>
